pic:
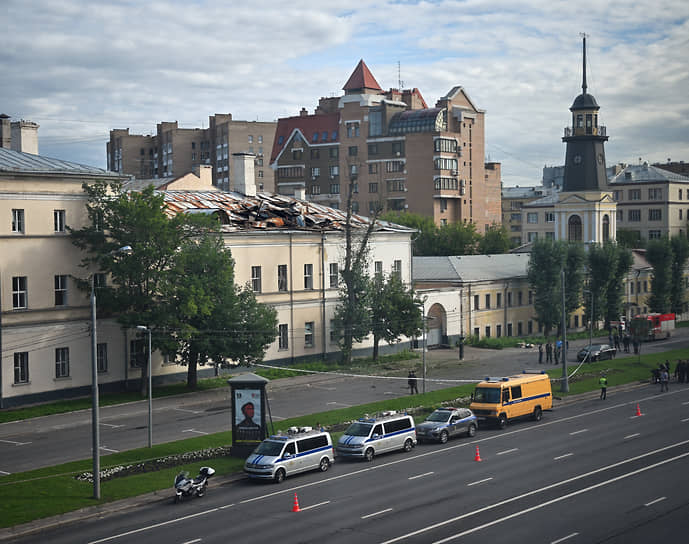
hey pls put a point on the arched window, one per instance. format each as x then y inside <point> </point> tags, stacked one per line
<point>606,228</point>
<point>574,229</point>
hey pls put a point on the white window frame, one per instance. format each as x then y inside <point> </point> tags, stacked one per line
<point>334,275</point>
<point>308,334</point>
<point>102,357</point>
<point>59,220</point>
<point>18,221</point>
<point>20,293</point>
<point>61,282</point>
<point>308,277</point>
<point>256,279</point>
<point>283,337</point>
<point>21,367</point>
<point>61,363</point>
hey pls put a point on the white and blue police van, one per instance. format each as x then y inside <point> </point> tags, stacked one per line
<point>370,436</point>
<point>282,455</point>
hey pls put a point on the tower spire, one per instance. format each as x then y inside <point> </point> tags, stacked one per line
<point>583,84</point>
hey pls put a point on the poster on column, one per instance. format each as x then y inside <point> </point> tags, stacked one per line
<point>247,417</point>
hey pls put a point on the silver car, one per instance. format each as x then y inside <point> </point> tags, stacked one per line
<point>447,422</point>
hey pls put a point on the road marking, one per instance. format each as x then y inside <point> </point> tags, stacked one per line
<point>340,403</point>
<point>655,501</point>
<point>420,475</point>
<point>193,431</point>
<point>580,431</point>
<point>192,541</point>
<point>507,451</point>
<point>15,443</point>
<point>388,393</point>
<point>479,482</point>
<point>685,403</point>
<point>188,411</point>
<point>685,420</point>
<point>148,527</point>
<point>226,506</point>
<point>564,538</point>
<point>631,435</point>
<point>5,473</point>
<point>111,425</point>
<point>376,513</point>
<point>562,456</point>
<point>314,505</point>
<point>108,449</point>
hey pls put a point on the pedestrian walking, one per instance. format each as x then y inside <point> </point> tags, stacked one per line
<point>664,380</point>
<point>411,381</point>
<point>540,354</point>
<point>557,355</point>
<point>548,353</point>
<point>682,366</point>
<point>603,382</point>
<point>617,342</point>
<point>625,341</point>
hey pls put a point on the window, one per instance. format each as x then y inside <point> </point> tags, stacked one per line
<point>680,215</point>
<point>616,195</point>
<point>394,166</point>
<point>532,217</point>
<point>62,363</point>
<point>487,331</point>
<point>353,151</point>
<point>333,152</point>
<point>634,215</point>
<point>334,171</point>
<point>397,269</point>
<point>308,334</point>
<point>260,139</point>
<point>334,276</point>
<point>21,367</point>
<point>443,204</point>
<point>509,329</point>
<point>308,276</point>
<point>655,194</point>
<point>334,333</point>
<point>487,301</point>
<point>378,268</point>
<point>355,206</point>
<point>634,194</point>
<point>574,231</point>
<point>654,234</point>
<point>532,236</point>
<point>59,220</point>
<point>520,330</point>
<point>352,130</point>
<point>282,277</point>
<point>509,301</point>
<point>19,293</point>
<point>529,326</point>
<point>445,145</point>
<point>549,217</point>
<point>314,139</point>
<point>680,194</point>
<point>60,290</point>
<point>519,298</point>
<point>655,214</point>
<point>445,164</point>
<point>297,154</point>
<point>315,173</point>
<point>373,168</point>
<point>530,297</point>
<point>315,189</point>
<point>18,221</point>
<point>251,139</point>
<point>476,307</point>
<point>372,187</point>
<point>620,215</point>
<point>397,149</point>
<point>256,279</point>
<point>102,357</point>
<point>373,148</point>
<point>498,300</point>
<point>99,280</point>
<point>353,171</point>
<point>498,331</point>
<point>137,353</point>
<point>283,342</point>
<point>334,188</point>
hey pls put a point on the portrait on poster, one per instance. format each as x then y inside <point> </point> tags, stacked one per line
<point>247,417</point>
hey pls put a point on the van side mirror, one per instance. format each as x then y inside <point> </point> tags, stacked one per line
<point>287,455</point>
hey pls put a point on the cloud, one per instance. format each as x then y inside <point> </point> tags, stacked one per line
<point>81,68</point>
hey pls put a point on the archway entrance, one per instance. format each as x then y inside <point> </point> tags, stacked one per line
<point>436,321</point>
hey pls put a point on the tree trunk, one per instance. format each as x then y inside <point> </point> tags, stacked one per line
<point>192,375</point>
<point>144,379</point>
<point>375,347</point>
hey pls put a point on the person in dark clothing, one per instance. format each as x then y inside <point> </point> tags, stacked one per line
<point>617,342</point>
<point>411,381</point>
<point>548,353</point>
<point>625,341</point>
<point>540,354</point>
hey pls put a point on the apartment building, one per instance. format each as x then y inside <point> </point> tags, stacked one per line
<point>174,151</point>
<point>395,151</point>
<point>513,200</point>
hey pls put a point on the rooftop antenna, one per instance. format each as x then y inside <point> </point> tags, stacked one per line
<point>400,83</point>
<point>583,85</point>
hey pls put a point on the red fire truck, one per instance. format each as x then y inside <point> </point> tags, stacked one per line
<point>652,326</point>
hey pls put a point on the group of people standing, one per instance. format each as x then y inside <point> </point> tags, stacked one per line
<point>661,374</point>
<point>551,351</point>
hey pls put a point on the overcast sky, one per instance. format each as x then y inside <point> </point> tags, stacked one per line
<point>81,68</point>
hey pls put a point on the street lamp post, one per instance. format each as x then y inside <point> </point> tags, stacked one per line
<point>565,380</point>
<point>150,387</point>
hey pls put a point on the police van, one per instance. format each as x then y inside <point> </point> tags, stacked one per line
<point>502,399</point>
<point>370,436</point>
<point>299,450</point>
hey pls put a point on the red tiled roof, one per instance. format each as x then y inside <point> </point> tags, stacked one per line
<point>308,124</point>
<point>361,78</point>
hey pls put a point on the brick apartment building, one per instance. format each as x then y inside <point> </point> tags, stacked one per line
<point>397,153</point>
<point>175,151</point>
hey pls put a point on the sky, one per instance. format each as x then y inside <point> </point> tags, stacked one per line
<point>80,68</point>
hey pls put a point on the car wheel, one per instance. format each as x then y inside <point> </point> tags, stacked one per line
<point>502,421</point>
<point>472,430</point>
<point>368,454</point>
<point>443,437</point>
<point>537,413</point>
<point>324,464</point>
<point>408,444</point>
<point>279,476</point>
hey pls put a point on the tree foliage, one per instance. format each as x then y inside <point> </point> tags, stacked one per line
<point>659,255</point>
<point>608,264</point>
<point>495,240</point>
<point>680,255</point>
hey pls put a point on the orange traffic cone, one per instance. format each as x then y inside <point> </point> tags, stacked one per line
<point>295,508</point>
<point>638,410</point>
<point>477,457</point>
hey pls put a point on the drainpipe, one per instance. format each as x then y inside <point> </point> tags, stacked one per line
<point>323,326</point>
<point>290,273</point>
<point>504,306</point>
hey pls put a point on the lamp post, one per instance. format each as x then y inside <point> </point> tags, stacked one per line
<point>95,423</point>
<point>565,380</point>
<point>591,314</point>
<point>423,320</point>
<point>150,387</point>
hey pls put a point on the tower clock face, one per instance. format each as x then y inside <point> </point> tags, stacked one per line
<point>577,159</point>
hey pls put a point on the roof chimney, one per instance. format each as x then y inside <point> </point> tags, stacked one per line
<point>303,112</point>
<point>244,177</point>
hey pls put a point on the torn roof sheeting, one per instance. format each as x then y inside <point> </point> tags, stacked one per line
<point>266,211</point>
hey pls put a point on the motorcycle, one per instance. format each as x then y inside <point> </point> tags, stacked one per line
<point>188,487</point>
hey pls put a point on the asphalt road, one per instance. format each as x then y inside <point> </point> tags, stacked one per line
<point>51,440</point>
<point>591,471</point>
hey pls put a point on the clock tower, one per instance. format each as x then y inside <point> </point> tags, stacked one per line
<point>585,210</point>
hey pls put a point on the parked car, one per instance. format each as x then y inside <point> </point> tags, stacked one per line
<point>447,422</point>
<point>596,352</point>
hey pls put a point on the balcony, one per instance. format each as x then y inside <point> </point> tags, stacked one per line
<point>582,131</point>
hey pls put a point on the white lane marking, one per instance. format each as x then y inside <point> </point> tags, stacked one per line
<point>376,513</point>
<point>15,443</point>
<point>536,491</point>
<point>388,393</point>
<point>479,482</point>
<point>314,505</point>
<point>685,420</point>
<point>340,403</point>
<point>631,435</point>
<point>278,417</point>
<point>685,403</point>
<point>147,528</point>
<point>420,475</point>
<point>562,456</point>
<point>111,425</point>
<point>564,538</point>
<point>507,451</point>
<point>579,431</point>
<point>108,449</point>
<point>5,473</point>
<point>562,498</point>
<point>192,541</point>
<point>193,431</point>
<point>188,411</point>
<point>226,506</point>
<point>655,501</point>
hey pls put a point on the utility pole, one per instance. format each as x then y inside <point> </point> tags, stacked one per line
<point>565,381</point>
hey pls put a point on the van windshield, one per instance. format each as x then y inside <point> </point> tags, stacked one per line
<point>270,448</point>
<point>489,395</point>
<point>358,429</point>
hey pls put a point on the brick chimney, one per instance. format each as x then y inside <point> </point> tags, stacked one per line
<point>244,180</point>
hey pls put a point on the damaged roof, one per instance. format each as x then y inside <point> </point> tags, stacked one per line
<point>267,211</point>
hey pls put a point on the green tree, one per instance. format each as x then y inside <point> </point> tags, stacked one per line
<point>659,255</point>
<point>495,240</point>
<point>628,238</point>
<point>394,311</point>
<point>457,239</point>
<point>425,238</point>
<point>608,264</point>
<point>680,254</point>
